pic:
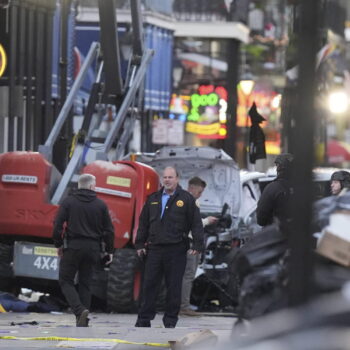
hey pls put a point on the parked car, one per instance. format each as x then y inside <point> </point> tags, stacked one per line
<point>321,180</point>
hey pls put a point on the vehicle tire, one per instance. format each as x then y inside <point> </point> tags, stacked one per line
<point>124,281</point>
<point>6,253</point>
<point>6,270</point>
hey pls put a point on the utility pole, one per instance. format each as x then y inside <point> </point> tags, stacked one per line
<point>300,238</point>
<point>233,62</point>
<point>229,144</point>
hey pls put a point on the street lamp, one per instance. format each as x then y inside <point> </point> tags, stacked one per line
<point>247,86</point>
<point>338,102</point>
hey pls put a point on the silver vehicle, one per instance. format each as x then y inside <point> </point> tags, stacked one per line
<point>321,180</point>
<point>232,195</point>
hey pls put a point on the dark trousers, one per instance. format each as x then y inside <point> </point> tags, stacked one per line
<point>77,260</point>
<point>168,261</point>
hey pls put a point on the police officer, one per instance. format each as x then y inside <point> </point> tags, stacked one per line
<point>273,203</point>
<point>340,182</point>
<point>165,221</point>
<point>88,224</point>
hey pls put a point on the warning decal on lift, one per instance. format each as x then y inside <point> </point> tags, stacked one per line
<point>45,251</point>
<point>23,179</point>
<point>36,261</point>
<point>118,181</point>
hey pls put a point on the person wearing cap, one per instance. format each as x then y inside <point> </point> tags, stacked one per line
<point>273,203</point>
<point>340,182</point>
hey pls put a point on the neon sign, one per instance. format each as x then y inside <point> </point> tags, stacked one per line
<point>179,107</point>
<point>201,101</point>
<point>207,116</point>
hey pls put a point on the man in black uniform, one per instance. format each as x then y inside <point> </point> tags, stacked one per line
<point>82,223</point>
<point>165,221</point>
<point>273,203</point>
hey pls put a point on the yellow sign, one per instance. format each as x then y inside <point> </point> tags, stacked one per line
<point>206,129</point>
<point>45,251</point>
<point>118,181</point>
<point>3,60</point>
<point>180,203</point>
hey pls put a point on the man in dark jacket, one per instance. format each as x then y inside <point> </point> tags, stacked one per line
<point>82,223</point>
<point>273,203</point>
<point>196,187</point>
<point>162,237</point>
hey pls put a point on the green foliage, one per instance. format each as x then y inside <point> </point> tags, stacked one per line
<point>255,50</point>
<point>260,4</point>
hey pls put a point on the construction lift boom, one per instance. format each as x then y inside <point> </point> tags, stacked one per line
<point>31,188</point>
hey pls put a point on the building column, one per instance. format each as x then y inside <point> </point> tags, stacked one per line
<point>229,144</point>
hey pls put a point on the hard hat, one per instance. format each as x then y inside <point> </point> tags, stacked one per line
<point>343,177</point>
<point>284,160</point>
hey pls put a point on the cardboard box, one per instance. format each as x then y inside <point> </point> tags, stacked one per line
<point>335,248</point>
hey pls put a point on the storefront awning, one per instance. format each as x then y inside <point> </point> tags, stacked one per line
<point>218,30</point>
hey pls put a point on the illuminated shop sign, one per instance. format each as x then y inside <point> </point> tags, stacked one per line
<point>268,103</point>
<point>204,129</point>
<point>207,115</point>
<point>179,107</point>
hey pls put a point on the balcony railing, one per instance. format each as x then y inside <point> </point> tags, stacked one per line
<point>189,10</point>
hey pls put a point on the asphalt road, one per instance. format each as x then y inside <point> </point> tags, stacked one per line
<point>117,327</point>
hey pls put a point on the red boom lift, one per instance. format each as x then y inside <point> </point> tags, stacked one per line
<point>31,188</point>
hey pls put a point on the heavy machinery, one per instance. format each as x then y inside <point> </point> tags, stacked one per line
<point>31,188</point>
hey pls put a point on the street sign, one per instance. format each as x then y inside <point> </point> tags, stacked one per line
<point>175,132</point>
<point>168,132</point>
<point>160,132</point>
